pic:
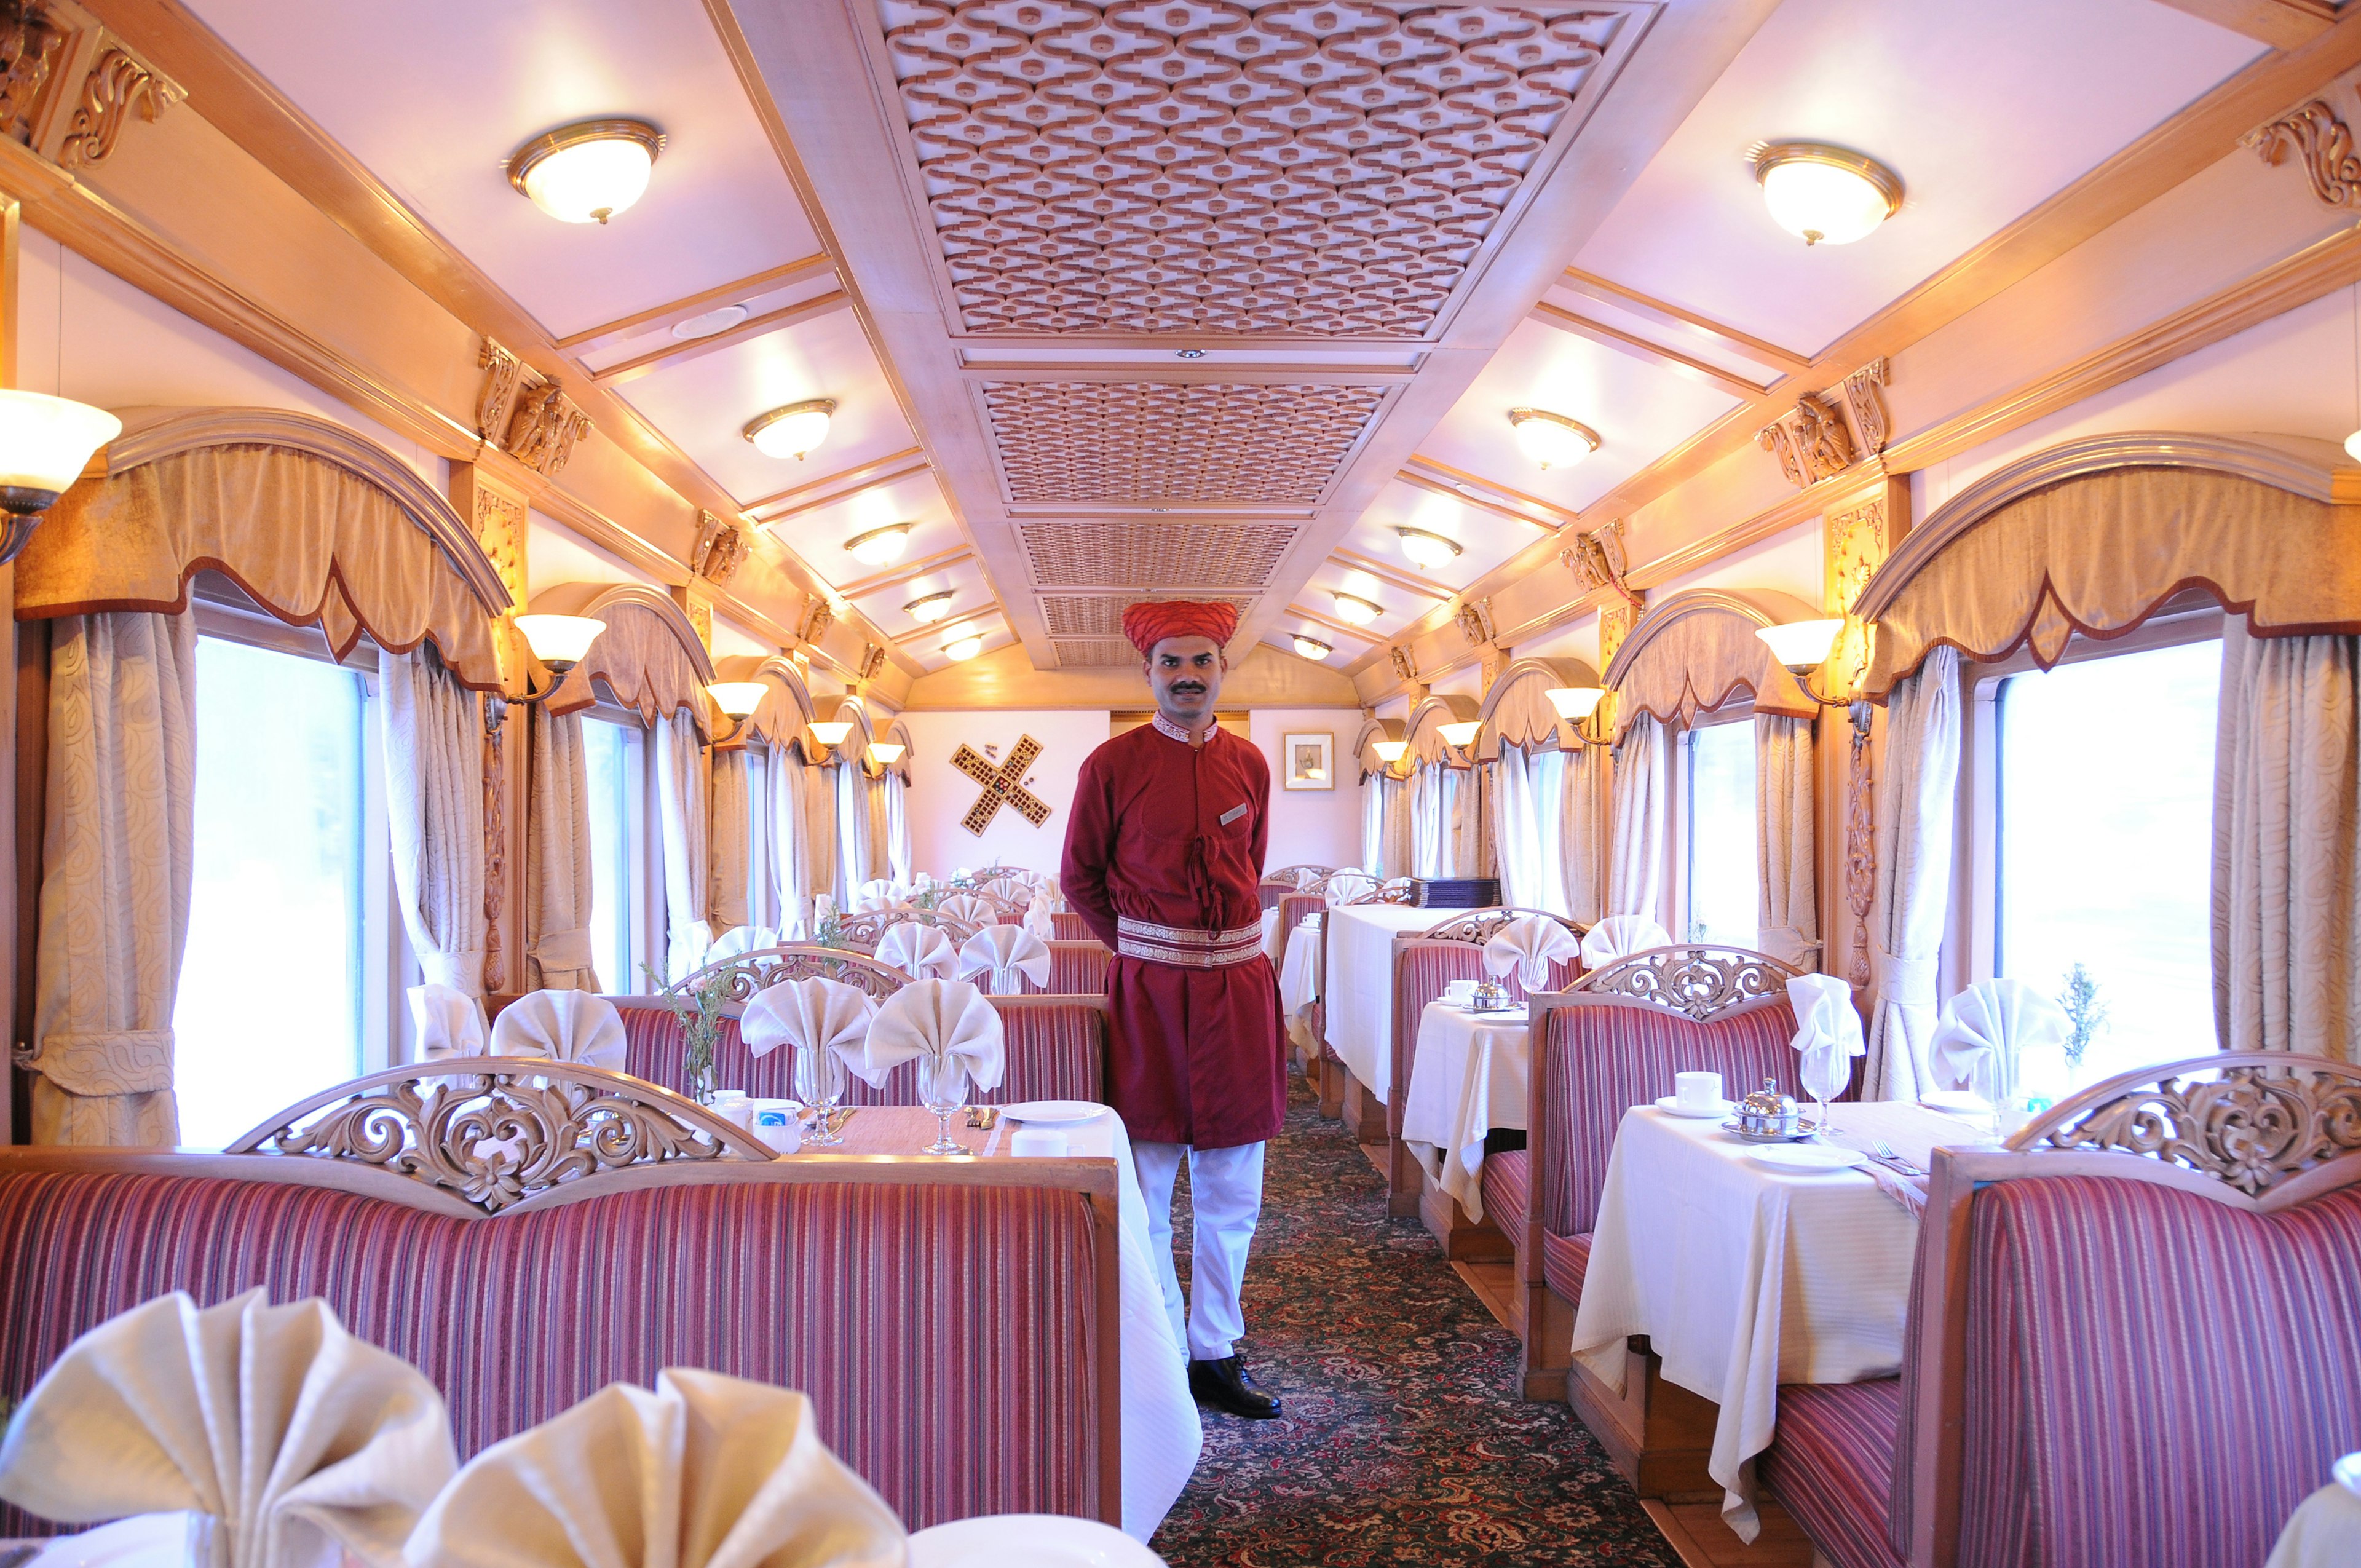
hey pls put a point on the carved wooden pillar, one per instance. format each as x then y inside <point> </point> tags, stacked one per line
<point>1858,532</point>
<point>497,514</point>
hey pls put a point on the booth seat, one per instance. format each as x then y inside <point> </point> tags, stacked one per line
<point>1069,926</point>
<point>2111,1359</point>
<point>1078,969</point>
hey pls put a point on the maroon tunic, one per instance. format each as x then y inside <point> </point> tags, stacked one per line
<point>1197,1055</point>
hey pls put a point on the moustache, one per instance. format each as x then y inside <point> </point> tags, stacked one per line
<point>1179,687</point>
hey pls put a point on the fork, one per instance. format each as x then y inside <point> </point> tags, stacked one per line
<point>1885,1152</point>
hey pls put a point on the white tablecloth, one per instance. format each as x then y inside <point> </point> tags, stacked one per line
<point>1360,985</point>
<point>1299,983</point>
<point>1467,1077</point>
<point>1744,1278</point>
<point>1270,935</point>
<point>2324,1531</point>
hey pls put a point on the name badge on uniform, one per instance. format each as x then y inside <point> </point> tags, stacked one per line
<point>1233,814</point>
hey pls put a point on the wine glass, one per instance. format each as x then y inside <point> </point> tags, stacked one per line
<point>820,1083</point>
<point>942,1089</point>
<point>1826,1069</point>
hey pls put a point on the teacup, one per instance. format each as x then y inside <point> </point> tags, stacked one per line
<point>1698,1091</point>
<point>1459,992</point>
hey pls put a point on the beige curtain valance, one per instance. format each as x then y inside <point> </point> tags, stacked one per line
<point>787,703</point>
<point>316,523</point>
<point>1425,730</point>
<point>2093,535</point>
<point>1516,711</point>
<point>899,734</point>
<point>1698,650</point>
<point>1365,744</point>
<point>649,658</point>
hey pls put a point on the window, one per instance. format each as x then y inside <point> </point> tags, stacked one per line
<point>762,898</point>
<point>615,759</point>
<point>1719,867</point>
<point>2103,807</point>
<point>276,998</point>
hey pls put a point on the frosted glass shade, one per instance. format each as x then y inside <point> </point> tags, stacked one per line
<point>736,698</point>
<point>586,173</point>
<point>932,607</point>
<point>1460,735</point>
<point>1576,703</point>
<point>1422,548</point>
<point>1826,196</point>
<point>559,640</point>
<point>1390,752</point>
<point>830,732</point>
<point>45,443</point>
<point>2352,446</point>
<point>880,546</point>
<point>1355,610</point>
<point>1552,439</point>
<point>1802,645</point>
<point>885,753</point>
<point>791,431</point>
<point>961,649</point>
<point>1312,648</point>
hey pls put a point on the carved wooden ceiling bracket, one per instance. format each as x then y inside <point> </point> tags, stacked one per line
<point>1599,562</point>
<point>29,46</point>
<point>720,549</point>
<point>117,84</point>
<point>2322,145</point>
<point>525,413</point>
<point>68,86</point>
<point>819,615</point>
<point>1814,440</point>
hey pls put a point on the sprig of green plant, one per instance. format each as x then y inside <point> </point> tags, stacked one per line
<point>698,1011</point>
<point>2084,1011</point>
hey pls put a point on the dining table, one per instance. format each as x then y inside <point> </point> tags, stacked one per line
<point>1299,982</point>
<point>1467,1077</point>
<point>1358,985</point>
<point>1744,1276</point>
<point>1162,1433</point>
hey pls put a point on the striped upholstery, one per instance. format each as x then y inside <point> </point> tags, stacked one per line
<point>1054,1052</point>
<point>1564,1261</point>
<point>1424,971</point>
<point>1078,969</point>
<point>1606,1058</point>
<point>1833,1463</point>
<point>1507,1186</point>
<point>1068,925</point>
<point>2151,1377</point>
<point>946,1335</point>
<point>1291,912</point>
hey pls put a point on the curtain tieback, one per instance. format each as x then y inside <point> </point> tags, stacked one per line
<point>1905,983</point>
<point>107,1061</point>
<point>462,970</point>
<point>564,949</point>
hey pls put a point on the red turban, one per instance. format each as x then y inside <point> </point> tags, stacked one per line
<point>1147,624</point>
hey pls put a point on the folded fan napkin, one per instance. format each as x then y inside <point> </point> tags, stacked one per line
<point>1006,952</point>
<point>932,1018</point>
<point>968,909</point>
<point>877,892</point>
<point>303,1440</point>
<point>1008,889</point>
<point>1621,936</point>
<point>817,1014</point>
<point>1349,886</point>
<point>706,1471</point>
<point>450,1022</point>
<point>1984,1032</point>
<point>1040,918</point>
<point>569,1025</point>
<point>920,951</point>
<point>1827,1030</point>
<point>742,939</point>
<point>1529,945</point>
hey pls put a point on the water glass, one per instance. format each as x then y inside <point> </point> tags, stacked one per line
<point>942,1089</point>
<point>1826,1070</point>
<point>820,1083</point>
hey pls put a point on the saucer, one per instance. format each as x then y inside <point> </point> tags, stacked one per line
<point>1671,1107</point>
<point>1804,1128</point>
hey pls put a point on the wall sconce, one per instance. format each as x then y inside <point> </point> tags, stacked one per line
<point>737,700</point>
<point>830,734</point>
<point>885,753</point>
<point>1802,648</point>
<point>45,443</point>
<point>1575,707</point>
<point>558,643</point>
<point>1460,737</point>
<point>1390,753</point>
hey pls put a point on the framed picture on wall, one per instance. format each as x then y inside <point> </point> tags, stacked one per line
<point>1308,760</point>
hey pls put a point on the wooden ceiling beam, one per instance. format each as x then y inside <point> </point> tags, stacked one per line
<point>972,623</point>
<point>2283,24</point>
<point>697,304</point>
<point>1386,574</point>
<point>1417,480</point>
<point>1638,347</point>
<point>769,322</point>
<point>842,486</point>
<point>1615,293</point>
<point>909,572</point>
<point>1330,623</point>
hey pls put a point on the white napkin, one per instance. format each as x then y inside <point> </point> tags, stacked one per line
<point>1040,919</point>
<point>820,1014</point>
<point>708,1471</point>
<point>1005,951</point>
<point>967,908</point>
<point>877,892</point>
<point>919,951</point>
<point>1010,889</point>
<point>1529,944</point>
<point>450,1022</point>
<point>1826,1025</point>
<point>1620,936</point>
<point>932,1018</point>
<point>1984,1032</point>
<point>570,1025</point>
<point>742,939</point>
<point>302,1439</point>
<point>1347,885</point>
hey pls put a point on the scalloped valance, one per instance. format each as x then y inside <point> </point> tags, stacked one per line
<point>786,705</point>
<point>2093,535</point>
<point>316,523</point>
<point>1425,730</point>
<point>649,658</point>
<point>1697,650</point>
<point>1365,744</point>
<point>896,733</point>
<point>1515,710</point>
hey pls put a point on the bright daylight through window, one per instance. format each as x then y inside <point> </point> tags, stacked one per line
<point>271,988</point>
<point>1720,851</point>
<point>2105,823</point>
<point>611,757</point>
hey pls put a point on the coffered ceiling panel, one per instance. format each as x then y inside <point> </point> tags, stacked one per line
<point>1093,653</point>
<point>819,534</point>
<point>1101,615</point>
<point>1202,444</point>
<point>1160,554</point>
<point>1484,538</point>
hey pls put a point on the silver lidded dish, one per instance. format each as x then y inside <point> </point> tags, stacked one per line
<point>1767,1116</point>
<point>1490,996</point>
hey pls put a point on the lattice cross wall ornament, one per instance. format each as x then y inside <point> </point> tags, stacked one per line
<point>1003,785</point>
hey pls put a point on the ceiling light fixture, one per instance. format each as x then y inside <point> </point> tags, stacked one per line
<point>711,323</point>
<point>1355,610</point>
<point>1189,354</point>
<point>791,431</point>
<point>930,608</point>
<point>588,172</point>
<point>959,650</point>
<point>880,546</point>
<point>1826,196</point>
<point>1311,647</point>
<point>1425,549</point>
<point>45,444</point>
<point>1552,439</point>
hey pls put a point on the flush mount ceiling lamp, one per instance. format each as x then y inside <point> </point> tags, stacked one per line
<point>930,608</point>
<point>960,650</point>
<point>1311,647</point>
<point>1355,610</point>
<point>1823,194</point>
<point>1428,550</point>
<point>559,642</point>
<point>791,431</point>
<point>880,546</point>
<point>1552,439</point>
<point>45,443</point>
<point>720,319</point>
<point>588,172</point>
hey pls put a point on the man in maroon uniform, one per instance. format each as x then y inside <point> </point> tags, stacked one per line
<point>1163,853</point>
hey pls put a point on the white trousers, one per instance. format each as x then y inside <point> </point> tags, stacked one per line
<point>1226,1201</point>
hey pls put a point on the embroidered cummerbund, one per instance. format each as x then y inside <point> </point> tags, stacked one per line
<point>1189,949</point>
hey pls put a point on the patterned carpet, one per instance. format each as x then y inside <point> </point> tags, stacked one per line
<point>1403,1442</point>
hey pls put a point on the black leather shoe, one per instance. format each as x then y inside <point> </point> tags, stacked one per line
<point>1227,1385</point>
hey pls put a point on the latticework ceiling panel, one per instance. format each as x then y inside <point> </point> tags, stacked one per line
<point>1312,168</point>
<point>1094,653</point>
<point>1210,443</point>
<point>1101,615</point>
<point>1154,555</point>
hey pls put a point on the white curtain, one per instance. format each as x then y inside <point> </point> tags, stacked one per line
<point>1430,820</point>
<point>790,815</point>
<point>900,862</point>
<point>1585,808</point>
<point>118,858</point>
<point>762,840</point>
<point>1466,799</point>
<point>434,811</point>
<point>729,844</point>
<point>1917,804</point>
<point>558,858</point>
<point>1373,823</point>
<point>851,832</point>
<point>1643,821</point>
<point>1526,828</point>
<point>1397,846</point>
<point>817,798</point>
<point>2287,845</point>
<point>681,792</point>
<point>1786,846</point>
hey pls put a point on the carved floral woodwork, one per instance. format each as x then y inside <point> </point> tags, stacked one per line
<point>1859,854</point>
<point>499,523</point>
<point>720,549</point>
<point>118,84</point>
<point>1402,665</point>
<point>767,967</point>
<point>1207,555</point>
<point>496,843</point>
<point>503,372</point>
<point>1866,403</point>
<point>543,430</point>
<point>819,615</point>
<point>1474,618</point>
<point>872,660</point>
<point>1211,442</point>
<point>1615,623</point>
<point>699,611</point>
<point>31,44</point>
<point>1599,562</point>
<point>1697,981</point>
<point>1003,785</point>
<point>1814,441</point>
<point>1481,926</point>
<point>2323,147</point>
<point>2251,1129</point>
<point>1322,169</point>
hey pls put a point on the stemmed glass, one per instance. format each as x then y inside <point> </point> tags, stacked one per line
<point>819,1081</point>
<point>1826,1069</point>
<point>942,1089</point>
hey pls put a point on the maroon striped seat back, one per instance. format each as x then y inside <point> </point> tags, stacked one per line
<point>1077,968</point>
<point>946,1335</point>
<point>1069,926</point>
